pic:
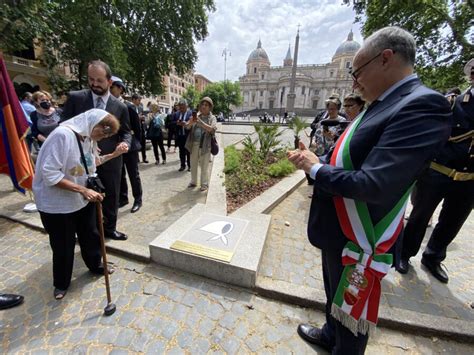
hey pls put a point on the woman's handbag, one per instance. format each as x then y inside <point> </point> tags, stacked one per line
<point>214,146</point>
<point>93,182</point>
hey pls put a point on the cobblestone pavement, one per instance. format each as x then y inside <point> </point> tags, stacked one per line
<point>158,311</point>
<point>289,257</point>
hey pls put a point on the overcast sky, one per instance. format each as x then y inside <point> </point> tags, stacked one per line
<point>237,26</point>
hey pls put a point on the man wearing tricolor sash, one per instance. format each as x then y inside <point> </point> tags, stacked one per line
<point>362,186</point>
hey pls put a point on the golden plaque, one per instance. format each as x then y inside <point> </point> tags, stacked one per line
<point>212,253</point>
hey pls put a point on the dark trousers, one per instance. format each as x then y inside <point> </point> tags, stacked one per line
<point>458,201</point>
<point>336,334</point>
<point>130,163</point>
<point>62,229</point>
<point>184,155</point>
<point>143,149</point>
<point>158,142</point>
<point>110,174</point>
<point>171,135</point>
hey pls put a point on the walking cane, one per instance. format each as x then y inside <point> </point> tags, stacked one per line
<point>110,308</point>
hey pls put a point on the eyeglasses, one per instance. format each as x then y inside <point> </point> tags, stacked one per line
<point>349,105</point>
<point>355,74</point>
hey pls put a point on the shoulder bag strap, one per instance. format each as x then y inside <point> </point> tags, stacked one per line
<point>82,152</point>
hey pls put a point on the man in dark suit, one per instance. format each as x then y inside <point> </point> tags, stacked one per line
<point>98,96</point>
<point>451,179</point>
<point>130,159</point>
<point>181,117</point>
<point>390,146</point>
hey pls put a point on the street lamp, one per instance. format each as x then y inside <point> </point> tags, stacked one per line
<point>224,54</point>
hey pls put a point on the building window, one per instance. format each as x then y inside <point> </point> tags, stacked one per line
<point>163,97</point>
<point>270,104</point>
<point>315,104</point>
<point>261,92</point>
<point>272,93</point>
<point>255,70</point>
<point>316,91</point>
<point>303,89</point>
<point>348,64</point>
<point>331,74</point>
<point>263,76</point>
<point>260,105</point>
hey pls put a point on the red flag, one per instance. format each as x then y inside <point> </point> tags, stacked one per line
<point>14,155</point>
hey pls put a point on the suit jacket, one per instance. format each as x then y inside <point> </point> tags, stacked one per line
<point>393,144</point>
<point>81,101</point>
<point>181,131</point>
<point>136,127</point>
<point>459,155</point>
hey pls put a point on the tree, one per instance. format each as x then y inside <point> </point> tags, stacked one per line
<point>442,30</point>
<point>141,40</point>
<point>223,94</point>
<point>192,96</point>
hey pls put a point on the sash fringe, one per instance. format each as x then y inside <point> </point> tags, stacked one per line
<point>362,326</point>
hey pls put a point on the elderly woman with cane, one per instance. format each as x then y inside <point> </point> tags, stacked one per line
<point>66,204</point>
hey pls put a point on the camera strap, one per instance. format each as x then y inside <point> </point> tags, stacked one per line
<point>83,158</point>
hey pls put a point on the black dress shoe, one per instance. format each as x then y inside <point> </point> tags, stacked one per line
<point>436,270</point>
<point>181,169</point>
<point>116,235</point>
<point>123,203</point>
<point>136,207</point>
<point>314,335</point>
<point>402,266</point>
<point>9,301</point>
<point>145,161</point>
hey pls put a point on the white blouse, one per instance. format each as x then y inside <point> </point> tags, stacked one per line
<point>60,158</point>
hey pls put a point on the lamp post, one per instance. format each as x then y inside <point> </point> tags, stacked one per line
<point>225,52</point>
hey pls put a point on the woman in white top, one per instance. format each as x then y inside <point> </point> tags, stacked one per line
<point>66,205</point>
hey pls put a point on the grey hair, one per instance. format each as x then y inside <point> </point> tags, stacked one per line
<point>395,38</point>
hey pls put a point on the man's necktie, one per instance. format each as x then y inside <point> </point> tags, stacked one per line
<point>100,103</point>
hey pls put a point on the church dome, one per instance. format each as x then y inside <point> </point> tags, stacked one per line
<point>349,46</point>
<point>258,53</point>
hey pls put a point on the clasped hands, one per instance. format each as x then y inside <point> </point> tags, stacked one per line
<point>302,158</point>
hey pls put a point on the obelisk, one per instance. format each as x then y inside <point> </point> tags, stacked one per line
<point>290,101</point>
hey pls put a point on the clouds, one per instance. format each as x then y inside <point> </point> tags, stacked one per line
<point>238,26</point>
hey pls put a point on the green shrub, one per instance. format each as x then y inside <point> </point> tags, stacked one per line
<point>267,137</point>
<point>249,144</point>
<point>232,159</point>
<point>281,168</point>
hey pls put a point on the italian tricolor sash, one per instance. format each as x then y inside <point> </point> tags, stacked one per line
<point>357,299</point>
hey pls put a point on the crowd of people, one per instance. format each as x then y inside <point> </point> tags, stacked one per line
<point>97,136</point>
<point>363,159</point>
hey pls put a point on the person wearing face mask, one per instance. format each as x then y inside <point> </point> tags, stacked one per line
<point>45,119</point>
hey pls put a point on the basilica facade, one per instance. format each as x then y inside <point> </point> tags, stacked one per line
<point>266,87</point>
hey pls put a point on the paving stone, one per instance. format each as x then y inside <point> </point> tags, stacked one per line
<point>202,317</point>
<point>108,335</point>
<point>140,342</point>
<point>185,339</point>
<point>125,337</point>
